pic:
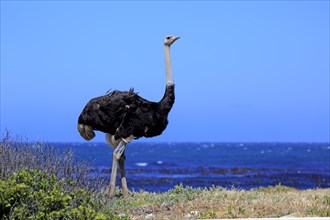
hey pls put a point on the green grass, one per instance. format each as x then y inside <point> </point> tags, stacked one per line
<point>39,182</point>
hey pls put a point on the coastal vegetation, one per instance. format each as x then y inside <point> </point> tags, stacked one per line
<point>39,182</point>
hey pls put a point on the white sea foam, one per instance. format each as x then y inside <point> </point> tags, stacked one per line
<point>141,164</point>
<point>159,162</point>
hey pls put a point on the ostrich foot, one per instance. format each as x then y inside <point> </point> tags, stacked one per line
<point>125,190</point>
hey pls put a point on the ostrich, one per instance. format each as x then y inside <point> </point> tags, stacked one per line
<point>124,116</point>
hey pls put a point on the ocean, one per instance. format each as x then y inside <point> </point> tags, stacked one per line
<point>158,167</point>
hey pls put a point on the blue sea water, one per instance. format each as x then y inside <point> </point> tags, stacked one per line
<point>160,166</point>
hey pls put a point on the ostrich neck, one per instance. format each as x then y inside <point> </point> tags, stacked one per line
<point>168,65</point>
<point>168,99</point>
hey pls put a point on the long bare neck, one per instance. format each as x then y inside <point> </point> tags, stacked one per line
<point>168,99</point>
<point>168,66</point>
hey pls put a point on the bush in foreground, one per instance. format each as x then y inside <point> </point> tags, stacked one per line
<point>37,195</point>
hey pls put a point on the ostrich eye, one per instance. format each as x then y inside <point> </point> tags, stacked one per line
<point>168,37</point>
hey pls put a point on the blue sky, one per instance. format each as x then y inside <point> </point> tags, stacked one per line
<point>244,70</point>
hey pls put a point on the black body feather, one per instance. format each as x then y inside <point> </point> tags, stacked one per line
<point>125,113</point>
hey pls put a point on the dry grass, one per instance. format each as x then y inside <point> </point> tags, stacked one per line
<point>186,202</point>
<point>17,153</point>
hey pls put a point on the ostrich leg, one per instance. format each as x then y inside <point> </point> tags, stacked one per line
<point>122,174</point>
<point>115,158</point>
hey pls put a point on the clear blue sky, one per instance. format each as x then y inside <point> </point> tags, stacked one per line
<point>244,70</point>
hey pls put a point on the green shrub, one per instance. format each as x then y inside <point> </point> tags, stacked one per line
<point>33,194</point>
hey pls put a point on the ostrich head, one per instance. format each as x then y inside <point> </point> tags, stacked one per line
<point>169,40</point>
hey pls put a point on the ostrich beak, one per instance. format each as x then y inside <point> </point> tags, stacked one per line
<point>176,38</point>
